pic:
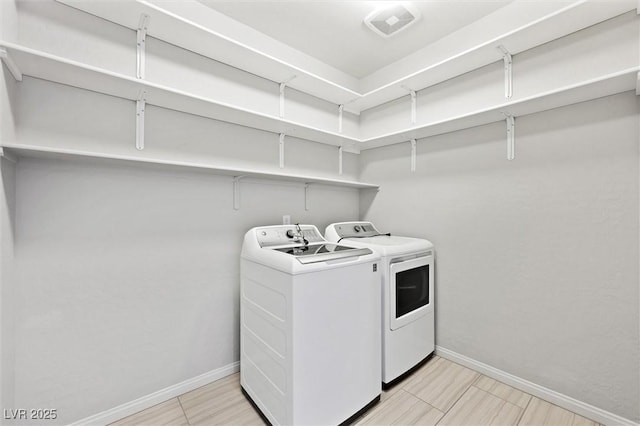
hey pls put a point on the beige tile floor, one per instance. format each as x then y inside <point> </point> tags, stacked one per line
<point>440,393</point>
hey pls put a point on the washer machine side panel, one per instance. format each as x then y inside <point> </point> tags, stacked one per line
<point>265,339</point>
<point>337,340</point>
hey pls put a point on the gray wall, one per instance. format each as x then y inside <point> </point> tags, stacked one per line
<point>121,270</point>
<point>126,276</point>
<point>537,259</point>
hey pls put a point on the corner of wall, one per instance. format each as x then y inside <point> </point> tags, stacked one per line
<point>7,332</point>
<point>8,32</point>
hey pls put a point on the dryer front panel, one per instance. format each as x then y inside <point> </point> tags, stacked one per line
<point>410,290</point>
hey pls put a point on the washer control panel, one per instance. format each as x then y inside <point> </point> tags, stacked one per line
<point>271,236</point>
<point>351,229</point>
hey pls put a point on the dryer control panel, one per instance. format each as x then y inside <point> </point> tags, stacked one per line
<point>353,229</point>
<point>271,236</point>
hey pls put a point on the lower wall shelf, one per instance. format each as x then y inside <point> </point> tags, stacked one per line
<point>11,151</point>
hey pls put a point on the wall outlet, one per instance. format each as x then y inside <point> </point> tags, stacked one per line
<point>286,219</point>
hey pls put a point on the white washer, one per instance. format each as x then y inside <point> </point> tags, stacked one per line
<point>407,294</point>
<point>309,340</point>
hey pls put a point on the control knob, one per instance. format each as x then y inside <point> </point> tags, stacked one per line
<point>357,228</point>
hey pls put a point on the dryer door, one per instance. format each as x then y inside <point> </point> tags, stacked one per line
<point>411,290</point>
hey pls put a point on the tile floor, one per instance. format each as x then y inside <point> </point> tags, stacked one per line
<point>440,393</point>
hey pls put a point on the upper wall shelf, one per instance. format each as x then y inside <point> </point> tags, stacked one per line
<point>18,150</point>
<point>193,26</point>
<point>190,25</point>
<point>611,84</point>
<point>42,65</point>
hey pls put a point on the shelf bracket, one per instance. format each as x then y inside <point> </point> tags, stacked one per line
<point>511,146</point>
<point>236,192</point>
<point>413,102</point>
<point>143,25</point>
<point>11,65</point>
<point>638,83</point>
<point>8,156</point>
<point>413,155</point>
<point>306,196</point>
<point>413,107</point>
<point>283,85</point>
<point>508,71</point>
<point>140,107</point>
<point>340,112</point>
<point>281,145</point>
<point>340,160</point>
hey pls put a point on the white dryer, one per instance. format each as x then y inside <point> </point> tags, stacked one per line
<point>407,294</point>
<point>309,340</point>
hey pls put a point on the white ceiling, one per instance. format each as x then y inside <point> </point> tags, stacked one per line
<point>334,32</point>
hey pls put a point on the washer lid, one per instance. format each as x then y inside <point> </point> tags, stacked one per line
<point>322,252</point>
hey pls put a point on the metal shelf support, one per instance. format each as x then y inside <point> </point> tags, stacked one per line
<point>413,107</point>
<point>638,82</point>
<point>236,192</point>
<point>11,65</point>
<point>413,155</point>
<point>508,71</point>
<point>306,196</point>
<point>143,25</point>
<point>281,145</point>
<point>413,95</point>
<point>283,85</point>
<point>511,146</point>
<point>340,160</point>
<point>140,107</point>
<point>340,112</point>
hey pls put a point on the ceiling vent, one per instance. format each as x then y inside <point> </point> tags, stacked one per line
<point>392,19</point>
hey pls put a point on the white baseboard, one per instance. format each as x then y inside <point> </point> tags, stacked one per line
<point>564,401</point>
<point>132,407</point>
